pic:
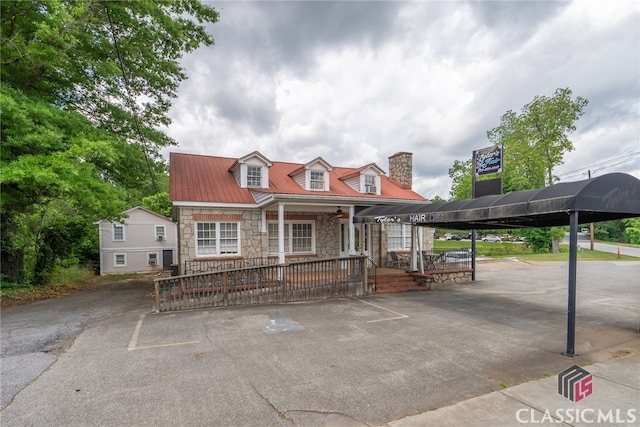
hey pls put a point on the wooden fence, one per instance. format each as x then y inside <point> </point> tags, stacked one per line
<point>301,281</point>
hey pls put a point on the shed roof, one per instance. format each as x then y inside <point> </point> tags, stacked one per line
<point>607,197</point>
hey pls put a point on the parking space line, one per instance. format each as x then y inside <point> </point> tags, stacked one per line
<point>622,305</point>
<point>165,345</point>
<point>400,315</point>
<point>136,333</point>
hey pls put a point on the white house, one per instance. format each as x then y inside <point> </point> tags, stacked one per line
<point>145,242</point>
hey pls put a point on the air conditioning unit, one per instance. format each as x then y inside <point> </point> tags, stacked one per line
<point>152,263</point>
<point>160,237</point>
<point>370,189</point>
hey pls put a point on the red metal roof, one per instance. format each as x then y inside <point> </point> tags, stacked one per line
<point>198,178</point>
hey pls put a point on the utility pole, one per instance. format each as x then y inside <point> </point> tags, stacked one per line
<point>591,243</point>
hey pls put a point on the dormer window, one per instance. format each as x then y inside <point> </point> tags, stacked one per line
<point>254,176</point>
<point>370,184</point>
<point>316,180</point>
<point>251,171</point>
<point>313,176</point>
<point>365,180</point>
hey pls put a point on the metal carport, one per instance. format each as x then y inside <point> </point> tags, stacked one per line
<point>607,197</point>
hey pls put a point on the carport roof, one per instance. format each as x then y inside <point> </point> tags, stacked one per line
<point>607,197</point>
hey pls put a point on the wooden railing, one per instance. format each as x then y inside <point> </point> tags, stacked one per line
<point>300,281</point>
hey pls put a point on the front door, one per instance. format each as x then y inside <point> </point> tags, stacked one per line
<point>167,259</point>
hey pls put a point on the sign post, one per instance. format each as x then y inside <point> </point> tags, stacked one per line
<point>485,161</point>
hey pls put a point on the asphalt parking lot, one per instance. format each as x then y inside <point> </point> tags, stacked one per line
<point>347,362</point>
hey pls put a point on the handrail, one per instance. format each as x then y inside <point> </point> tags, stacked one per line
<point>293,281</point>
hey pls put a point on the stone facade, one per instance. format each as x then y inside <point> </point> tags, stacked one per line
<point>253,240</point>
<point>439,279</point>
<point>401,168</point>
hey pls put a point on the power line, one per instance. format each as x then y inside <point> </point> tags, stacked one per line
<point>128,98</point>
<point>628,155</point>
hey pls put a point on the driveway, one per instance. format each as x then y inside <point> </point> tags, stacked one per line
<point>346,362</point>
<point>33,335</point>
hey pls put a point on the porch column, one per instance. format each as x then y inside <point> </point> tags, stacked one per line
<point>281,258</point>
<point>351,250</point>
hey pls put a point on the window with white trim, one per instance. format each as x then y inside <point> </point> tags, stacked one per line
<point>152,258</point>
<point>120,260</point>
<point>298,237</point>
<point>316,180</point>
<point>398,237</point>
<point>217,238</point>
<point>118,232</point>
<point>254,176</point>
<point>160,232</point>
<point>370,184</point>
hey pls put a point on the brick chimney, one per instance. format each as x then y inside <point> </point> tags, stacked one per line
<point>401,168</point>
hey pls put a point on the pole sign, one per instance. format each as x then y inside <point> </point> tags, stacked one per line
<point>488,160</point>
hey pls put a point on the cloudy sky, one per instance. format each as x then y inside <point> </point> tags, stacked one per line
<point>357,81</point>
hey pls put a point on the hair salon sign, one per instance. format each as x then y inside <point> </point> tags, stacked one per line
<point>488,160</point>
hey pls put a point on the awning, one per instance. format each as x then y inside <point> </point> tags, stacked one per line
<point>607,197</point>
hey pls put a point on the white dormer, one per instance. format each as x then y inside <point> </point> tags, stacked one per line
<point>313,176</point>
<point>251,171</point>
<point>366,179</point>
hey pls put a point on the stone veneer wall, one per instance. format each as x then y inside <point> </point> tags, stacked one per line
<point>401,168</point>
<point>436,280</point>
<point>254,242</point>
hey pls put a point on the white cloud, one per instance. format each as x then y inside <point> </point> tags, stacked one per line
<point>355,82</point>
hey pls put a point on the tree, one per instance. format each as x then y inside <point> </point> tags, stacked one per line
<point>116,62</point>
<point>55,178</point>
<point>85,87</point>
<point>632,230</point>
<point>536,140</point>
<point>460,174</point>
<point>159,203</point>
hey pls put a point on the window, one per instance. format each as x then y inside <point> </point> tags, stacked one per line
<point>152,258</point>
<point>316,181</point>
<point>298,238</point>
<point>301,238</point>
<point>160,234</point>
<point>273,237</point>
<point>120,260</point>
<point>370,184</point>
<point>254,176</point>
<point>399,237</point>
<point>217,238</point>
<point>118,232</point>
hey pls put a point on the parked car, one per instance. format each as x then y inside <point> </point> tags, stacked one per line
<point>452,237</point>
<point>458,256</point>
<point>491,238</point>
